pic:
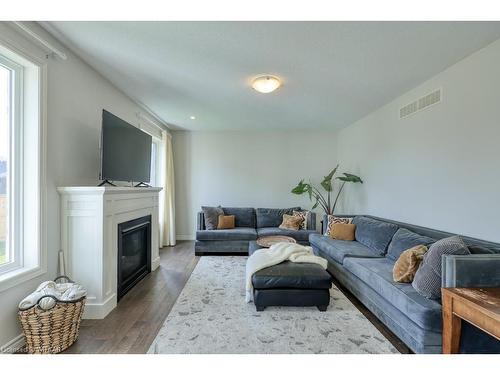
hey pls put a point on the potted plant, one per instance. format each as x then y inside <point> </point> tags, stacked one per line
<point>320,198</point>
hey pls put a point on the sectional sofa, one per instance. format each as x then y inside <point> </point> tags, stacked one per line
<point>250,224</point>
<point>364,267</point>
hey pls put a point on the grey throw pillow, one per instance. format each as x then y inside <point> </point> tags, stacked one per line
<point>427,281</point>
<point>211,215</point>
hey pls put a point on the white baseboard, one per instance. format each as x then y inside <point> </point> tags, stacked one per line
<point>155,264</point>
<point>99,310</point>
<point>13,345</point>
<point>185,237</point>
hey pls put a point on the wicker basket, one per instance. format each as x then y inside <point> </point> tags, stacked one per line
<point>53,330</point>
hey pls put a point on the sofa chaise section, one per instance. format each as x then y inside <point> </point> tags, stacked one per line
<point>366,271</point>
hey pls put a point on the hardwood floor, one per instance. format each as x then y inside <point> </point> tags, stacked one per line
<point>132,326</point>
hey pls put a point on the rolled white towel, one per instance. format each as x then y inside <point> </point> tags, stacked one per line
<point>46,285</point>
<point>74,293</point>
<point>33,298</point>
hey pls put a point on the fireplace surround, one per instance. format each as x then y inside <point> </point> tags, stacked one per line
<point>90,218</point>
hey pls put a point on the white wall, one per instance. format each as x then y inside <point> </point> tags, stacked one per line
<point>76,96</point>
<point>245,169</point>
<point>438,168</point>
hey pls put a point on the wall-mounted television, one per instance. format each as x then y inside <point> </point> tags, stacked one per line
<point>125,151</point>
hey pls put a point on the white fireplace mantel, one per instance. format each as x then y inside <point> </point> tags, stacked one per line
<point>89,231</point>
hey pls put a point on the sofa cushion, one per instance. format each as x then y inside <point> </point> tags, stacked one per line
<point>237,233</point>
<point>338,250</point>
<point>243,216</point>
<point>377,273</point>
<point>403,240</point>
<point>299,235</point>
<point>292,275</point>
<point>427,280</point>
<point>374,234</point>
<point>272,217</point>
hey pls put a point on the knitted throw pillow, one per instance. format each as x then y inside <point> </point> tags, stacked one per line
<point>427,280</point>
<point>211,215</point>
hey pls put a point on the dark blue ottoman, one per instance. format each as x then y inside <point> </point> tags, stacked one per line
<point>291,284</point>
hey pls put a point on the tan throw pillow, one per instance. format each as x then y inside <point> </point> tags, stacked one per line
<point>304,215</point>
<point>291,222</point>
<point>335,220</point>
<point>407,264</point>
<point>344,232</point>
<point>225,222</point>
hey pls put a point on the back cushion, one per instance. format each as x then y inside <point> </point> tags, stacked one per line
<point>374,234</point>
<point>405,239</point>
<point>272,217</point>
<point>243,216</point>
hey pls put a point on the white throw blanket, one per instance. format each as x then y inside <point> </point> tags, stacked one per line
<point>63,292</point>
<point>278,253</point>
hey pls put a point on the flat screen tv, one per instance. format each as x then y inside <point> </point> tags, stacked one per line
<point>125,151</point>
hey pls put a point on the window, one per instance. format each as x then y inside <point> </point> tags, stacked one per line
<point>4,160</point>
<point>155,176</point>
<point>22,251</point>
<point>10,80</point>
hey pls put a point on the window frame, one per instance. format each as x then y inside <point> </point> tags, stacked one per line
<point>30,171</point>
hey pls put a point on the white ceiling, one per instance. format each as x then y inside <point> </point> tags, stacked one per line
<point>334,72</point>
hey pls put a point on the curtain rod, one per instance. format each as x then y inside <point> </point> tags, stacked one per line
<point>154,122</point>
<point>40,40</point>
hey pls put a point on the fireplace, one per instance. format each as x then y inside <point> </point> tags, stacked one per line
<point>134,253</point>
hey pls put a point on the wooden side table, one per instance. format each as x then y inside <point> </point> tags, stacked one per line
<point>478,306</point>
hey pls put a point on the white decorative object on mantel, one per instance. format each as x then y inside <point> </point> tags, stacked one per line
<point>89,232</point>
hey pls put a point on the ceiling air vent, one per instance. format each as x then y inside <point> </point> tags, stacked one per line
<point>420,104</point>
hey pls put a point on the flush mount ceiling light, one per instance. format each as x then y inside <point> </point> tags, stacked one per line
<point>266,83</point>
<point>192,117</point>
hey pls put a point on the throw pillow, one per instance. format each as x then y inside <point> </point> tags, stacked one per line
<point>344,232</point>
<point>335,220</point>
<point>290,222</point>
<point>407,264</point>
<point>427,280</point>
<point>305,218</point>
<point>211,215</point>
<point>226,222</point>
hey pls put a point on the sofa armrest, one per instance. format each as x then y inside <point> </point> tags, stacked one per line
<point>200,221</point>
<point>475,270</point>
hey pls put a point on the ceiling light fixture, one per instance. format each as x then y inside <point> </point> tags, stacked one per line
<point>192,117</point>
<point>266,83</point>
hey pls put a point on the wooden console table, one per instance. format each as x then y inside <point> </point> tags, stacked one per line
<point>478,306</point>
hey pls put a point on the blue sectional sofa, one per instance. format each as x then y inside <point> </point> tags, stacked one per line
<point>364,267</point>
<point>250,224</point>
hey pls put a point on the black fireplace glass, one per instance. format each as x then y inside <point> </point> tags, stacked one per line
<point>134,253</point>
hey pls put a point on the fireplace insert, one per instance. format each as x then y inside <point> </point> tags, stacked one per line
<point>134,253</point>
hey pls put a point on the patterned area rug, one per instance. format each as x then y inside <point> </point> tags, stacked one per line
<point>211,316</point>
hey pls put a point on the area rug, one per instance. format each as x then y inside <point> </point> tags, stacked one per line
<point>211,316</point>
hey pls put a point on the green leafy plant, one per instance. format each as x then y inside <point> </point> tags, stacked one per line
<point>327,184</point>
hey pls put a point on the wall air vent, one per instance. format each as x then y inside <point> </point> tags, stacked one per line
<point>420,104</point>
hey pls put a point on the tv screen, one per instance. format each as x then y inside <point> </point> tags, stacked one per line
<point>125,151</point>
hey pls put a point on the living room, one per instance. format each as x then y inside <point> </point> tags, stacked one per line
<point>265,185</point>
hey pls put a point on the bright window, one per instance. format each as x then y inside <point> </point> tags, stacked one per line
<point>22,250</point>
<point>10,114</point>
<point>4,161</point>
